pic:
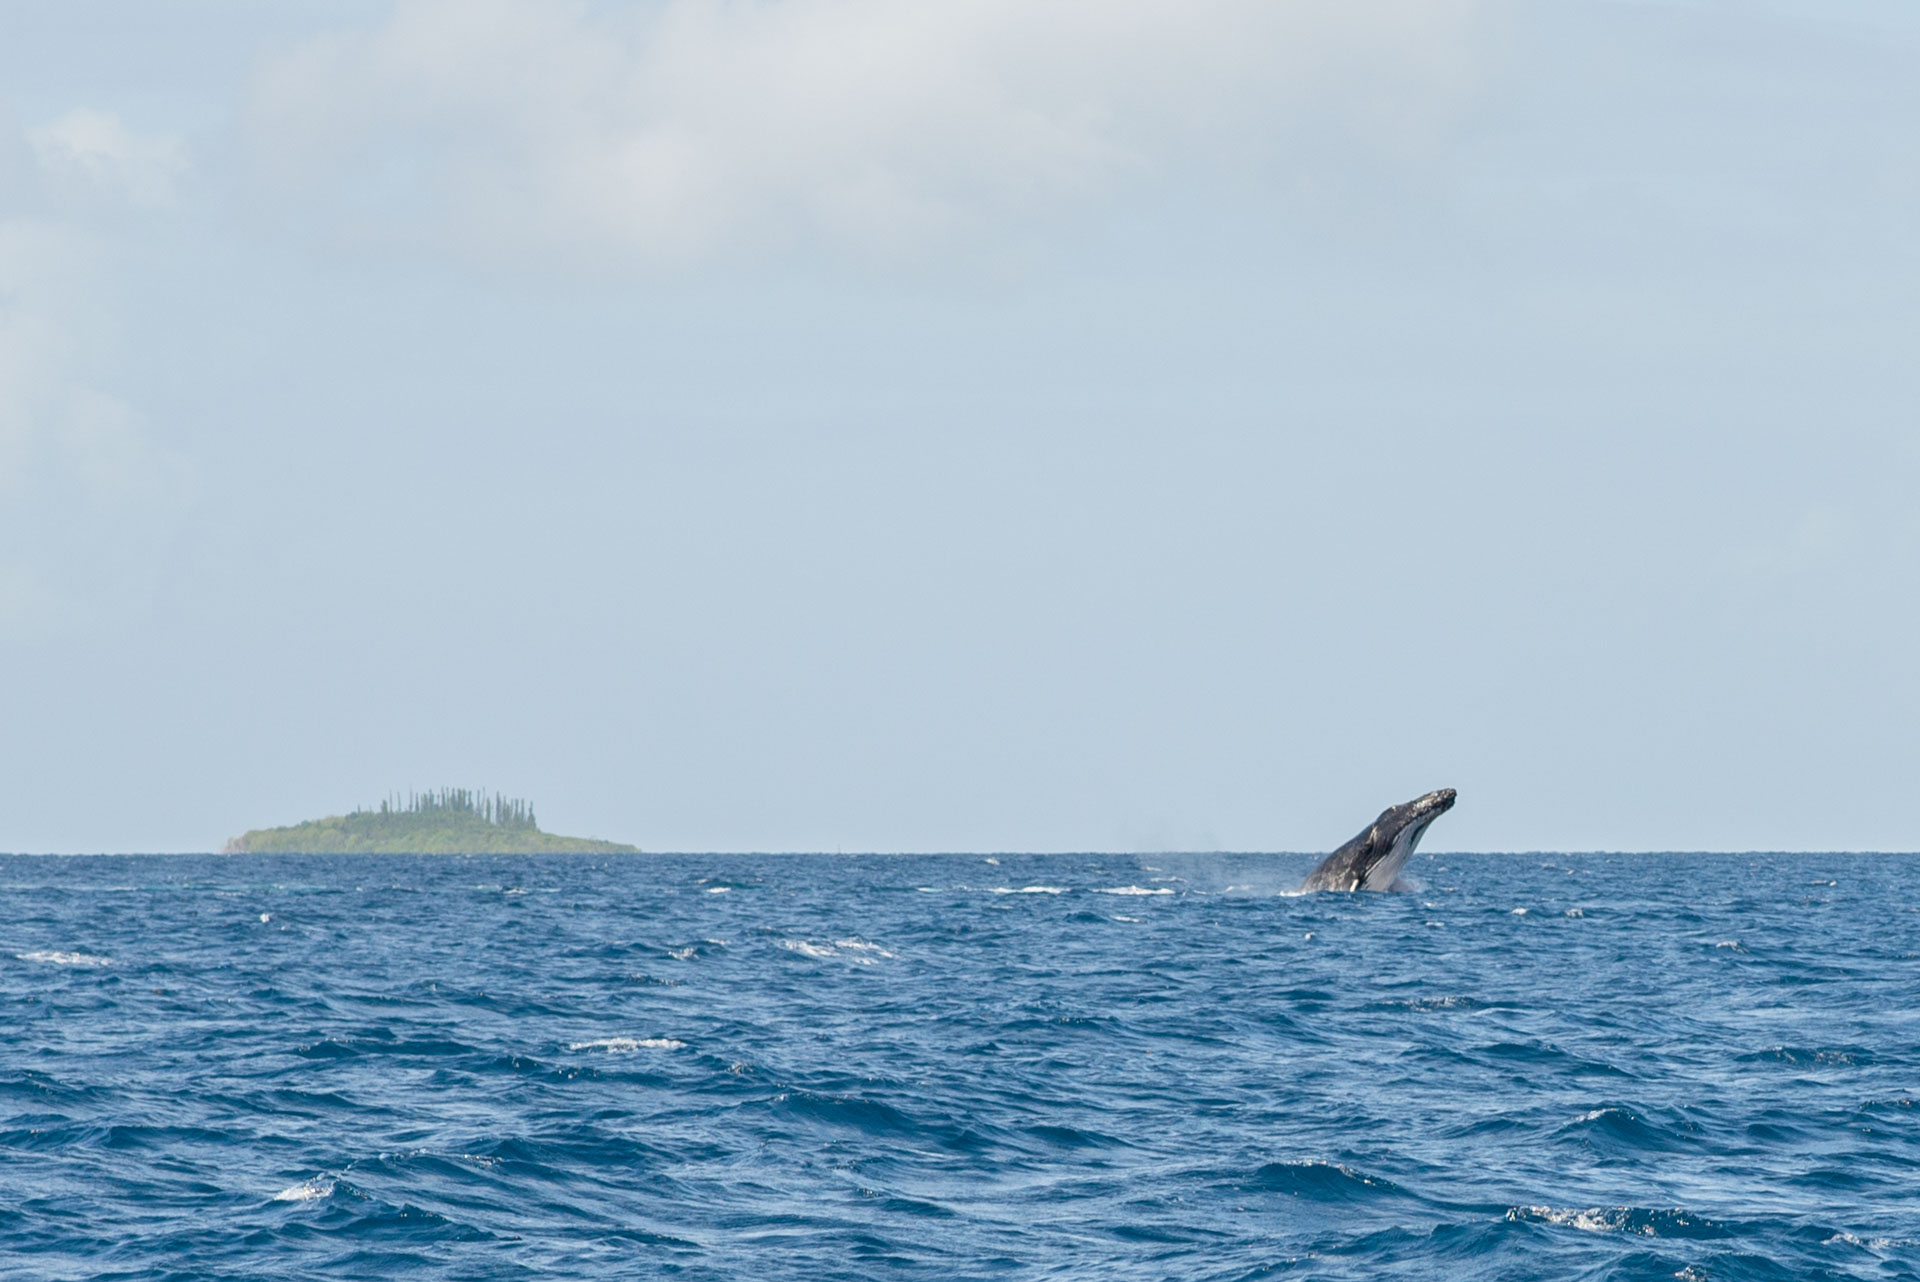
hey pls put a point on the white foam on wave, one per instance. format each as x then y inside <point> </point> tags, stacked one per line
<point>851,949</point>
<point>682,954</point>
<point>51,958</point>
<point>718,890</point>
<point>306,1191</point>
<point>1133,890</point>
<point>858,945</point>
<point>1590,1220</point>
<point>1870,1243</point>
<point>1029,890</point>
<point>1628,1220</point>
<point>628,1045</point>
<point>1118,917</point>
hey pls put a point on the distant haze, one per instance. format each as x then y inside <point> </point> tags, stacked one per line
<point>833,424</point>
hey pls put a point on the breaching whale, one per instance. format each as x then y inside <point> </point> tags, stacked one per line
<point>1373,860</point>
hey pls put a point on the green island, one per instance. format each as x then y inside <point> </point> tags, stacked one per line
<point>450,821</point>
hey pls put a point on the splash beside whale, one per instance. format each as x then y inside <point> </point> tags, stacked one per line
<point>1374,858</point>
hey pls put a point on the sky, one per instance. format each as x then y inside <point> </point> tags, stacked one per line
<point>844,425</point>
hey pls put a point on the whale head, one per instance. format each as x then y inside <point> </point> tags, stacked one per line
<point>1421,810</point>
<point>1396,832</point>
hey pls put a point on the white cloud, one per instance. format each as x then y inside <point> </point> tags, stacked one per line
<point>58,307</point>
<point>693,126</point>
<point>58,427</point>
<point>85,491</point>
<point>93,152</point>
<point>36,266</point>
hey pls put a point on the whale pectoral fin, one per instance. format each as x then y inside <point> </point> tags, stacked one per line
<point>1355,886</point>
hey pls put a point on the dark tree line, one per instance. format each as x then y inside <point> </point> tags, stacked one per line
<point>498,809</point>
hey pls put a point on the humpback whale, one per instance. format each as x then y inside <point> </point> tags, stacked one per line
<point>1374,858</point>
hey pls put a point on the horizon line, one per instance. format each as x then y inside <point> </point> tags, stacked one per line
<point>927,854</point>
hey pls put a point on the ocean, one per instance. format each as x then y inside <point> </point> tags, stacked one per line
<point>1094,1066</point>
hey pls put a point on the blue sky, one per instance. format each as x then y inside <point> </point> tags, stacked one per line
<point>833,424</point>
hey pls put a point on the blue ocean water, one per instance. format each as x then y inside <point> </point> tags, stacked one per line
<point>1542,1066</point>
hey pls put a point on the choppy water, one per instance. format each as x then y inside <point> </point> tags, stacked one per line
<point>1063,1067</point>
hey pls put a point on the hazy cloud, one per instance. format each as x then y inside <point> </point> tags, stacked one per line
<point>699,125</point>
<point>35,345</point>
<point>84,488</point>
<point>57,299</point>
<point>54,331</point>
<point>92,152</point>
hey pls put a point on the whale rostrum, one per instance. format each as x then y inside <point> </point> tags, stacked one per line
<point>1374,858</point>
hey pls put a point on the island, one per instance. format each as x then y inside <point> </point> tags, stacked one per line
<point>449,821</point>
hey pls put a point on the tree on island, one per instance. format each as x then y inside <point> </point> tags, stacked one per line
<point>500,810</point>
<point>468,821</point>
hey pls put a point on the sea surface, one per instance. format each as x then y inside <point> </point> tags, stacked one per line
<point>1099,1066</point>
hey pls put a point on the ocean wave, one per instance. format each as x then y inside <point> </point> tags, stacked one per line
<point>352,1213</point>
<point>853,949</point>
<point>51,958</point>
<point>307,1190</point>
<point>1134,890</point>
<point>628,1045</point>
<point>1875,1244</point>
<point>1629,1220</point>
<point>1811,1056</point>
<point>1435,1002</point>
<point>856,1113</point>
<point>1619,1127</point>
<point>1320,1181</point>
